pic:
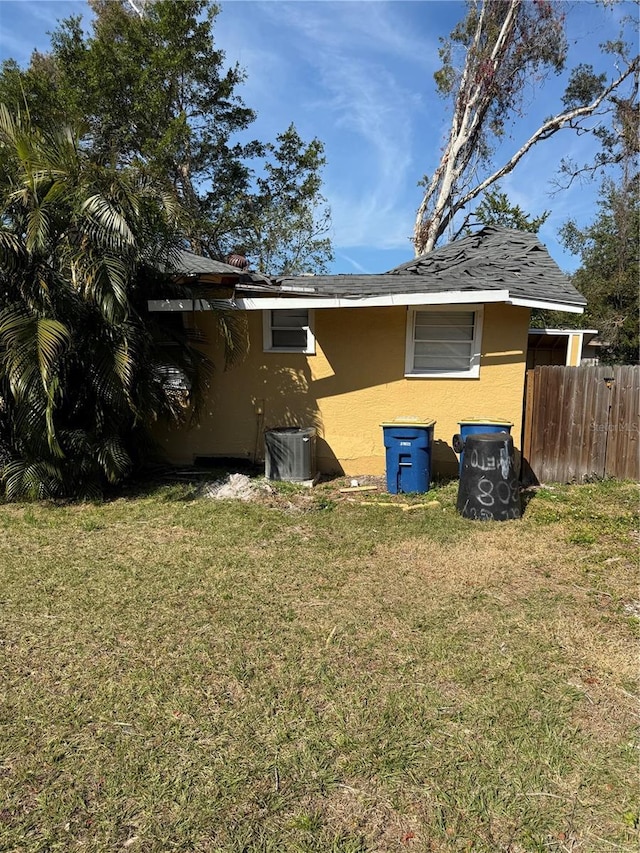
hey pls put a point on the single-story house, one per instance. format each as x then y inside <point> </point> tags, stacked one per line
<point>442,337</point>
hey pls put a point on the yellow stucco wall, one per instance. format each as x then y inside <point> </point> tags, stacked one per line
<point>353,383</point>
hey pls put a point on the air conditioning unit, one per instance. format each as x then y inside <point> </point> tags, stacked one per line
<point>290,453</point>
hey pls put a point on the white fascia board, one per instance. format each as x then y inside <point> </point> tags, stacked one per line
<point>563,331</point>
<point>170,304</point>
<point>455,297</point>
<point>181,304</point>
<point>551,306</point>
<point>273,303</point>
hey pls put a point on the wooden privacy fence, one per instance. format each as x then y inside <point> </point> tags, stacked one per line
<point>581,423</point>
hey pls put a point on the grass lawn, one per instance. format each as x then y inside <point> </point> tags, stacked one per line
<point>316,672</point>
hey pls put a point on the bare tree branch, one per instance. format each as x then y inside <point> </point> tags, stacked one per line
<point>553,125</point>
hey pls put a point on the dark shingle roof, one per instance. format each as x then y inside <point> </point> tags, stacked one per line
<point>188,264</point>
<point>492,259</point>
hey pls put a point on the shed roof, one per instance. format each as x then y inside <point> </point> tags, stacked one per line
<point>189,264</point>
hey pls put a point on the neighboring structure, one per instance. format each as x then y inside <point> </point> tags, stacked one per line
<point>562,348</point>
<point>442,337</point>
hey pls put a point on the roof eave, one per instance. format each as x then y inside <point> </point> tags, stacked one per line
<point>467,297</point>
<point>546,331</point>
<point>295,301</point>
<point>183,306</point>
<point>569,307</point>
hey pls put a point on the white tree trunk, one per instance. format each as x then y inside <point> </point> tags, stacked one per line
<point>443,196</point>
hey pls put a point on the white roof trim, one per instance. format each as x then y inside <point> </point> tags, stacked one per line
<point>269,303</point>
<point>551,306</point>
<point>272,303</point>
<point>188,304</point>
<point>563,331</point>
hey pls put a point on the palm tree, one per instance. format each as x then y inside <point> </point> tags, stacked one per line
<point>82,363</point>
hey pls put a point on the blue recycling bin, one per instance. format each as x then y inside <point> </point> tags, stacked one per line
<point>408,455</point>
<point>477,426</point>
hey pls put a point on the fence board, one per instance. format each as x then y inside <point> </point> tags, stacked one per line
<point>623,451</point>
<point>599,394</point>
<point>581,423</point>
<point>527,432</point>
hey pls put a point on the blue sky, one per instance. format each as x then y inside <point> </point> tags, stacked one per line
<point>359,75</point>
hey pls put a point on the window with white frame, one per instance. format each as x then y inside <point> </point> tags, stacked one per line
<point>444,341</point>
<point>289,330</point>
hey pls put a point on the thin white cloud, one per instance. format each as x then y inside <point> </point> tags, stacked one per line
<point>14,46</point>
<point>327,67</point>
<point>367,103</point>
<point>366,114</point>
<point>350,27</point>
<point>352,261</point>
<point>46,11</point>
<point>18,40</point>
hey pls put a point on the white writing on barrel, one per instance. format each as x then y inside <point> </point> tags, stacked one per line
<point>489,488</point>
<point>490,463</point>
<point>488,514</point>
<point>505,493</point>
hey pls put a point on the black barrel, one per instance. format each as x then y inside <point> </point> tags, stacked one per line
<point>489,489</point>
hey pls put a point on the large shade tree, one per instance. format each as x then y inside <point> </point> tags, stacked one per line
<point>609,271</point>
<point>83,366</point>
<point>152,87</point>
<point>280,230</point>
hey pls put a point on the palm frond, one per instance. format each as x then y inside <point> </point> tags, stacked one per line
<point>35,480</point>
<point>52,337</point>
<point>114,459</point>
<point>233,328</point>
<point>38,229</point>
<point>102,280</point>
<point>29,427</point>
<point>102,213</point>
<point>80,371</point>
<point>12,252</point>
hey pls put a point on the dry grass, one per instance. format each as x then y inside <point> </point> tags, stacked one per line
<point>309,673</point>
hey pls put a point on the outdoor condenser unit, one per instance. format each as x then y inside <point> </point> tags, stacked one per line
<point>290,453</point>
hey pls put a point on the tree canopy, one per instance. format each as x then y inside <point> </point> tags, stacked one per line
<point>150,88</point>
<point>609,272</point>
<point>281,231</point>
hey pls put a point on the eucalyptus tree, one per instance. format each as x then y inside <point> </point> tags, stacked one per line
<point>82,364</point>
<point>488,61</point>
